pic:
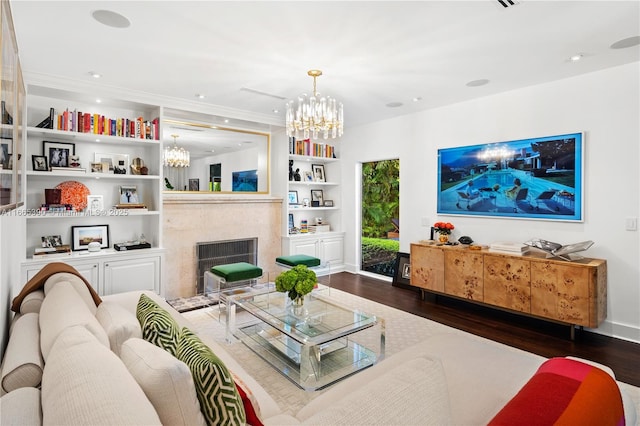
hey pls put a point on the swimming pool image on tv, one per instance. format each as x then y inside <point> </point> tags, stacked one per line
<point>539,178</point>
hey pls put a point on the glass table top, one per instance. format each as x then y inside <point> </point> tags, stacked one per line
<point>318,321</point>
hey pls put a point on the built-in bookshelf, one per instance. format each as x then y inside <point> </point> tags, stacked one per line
<point>313,202</point>
<point>94,150</point>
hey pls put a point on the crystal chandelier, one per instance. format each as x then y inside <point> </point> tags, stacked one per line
<point>315,114</point>
<point>176,157</point>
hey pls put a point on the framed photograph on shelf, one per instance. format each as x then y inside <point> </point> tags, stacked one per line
<point>318,173</point>
<point>83,235</point>
<point>98,167</point>
<point>6,147</point>
<point>39,163</point>
<point>95,204</point>
<point>291,224</point>
<point>58,153</point>
<point>307,176</point>
<point>116,163</point>
<point>317,198</point>
<point>293,198</point>
<point>51,241</point>
<point>129,194</point>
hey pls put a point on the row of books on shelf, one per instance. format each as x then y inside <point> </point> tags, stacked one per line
<point>306,147</point>
<point>76,121</point>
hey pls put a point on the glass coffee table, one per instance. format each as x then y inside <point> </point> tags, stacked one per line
<point>313,346</point>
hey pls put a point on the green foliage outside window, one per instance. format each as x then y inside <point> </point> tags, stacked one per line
<point>380,197</point>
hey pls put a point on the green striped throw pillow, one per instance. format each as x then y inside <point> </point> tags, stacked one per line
<point>220,402</point>
<point>158,326</point>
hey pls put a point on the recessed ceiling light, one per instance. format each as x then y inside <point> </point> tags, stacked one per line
<point>417,99</point>
<point>98,101</point>
<point>477,83</point>
<point>110,19</point>
<point>226,120</point>
<point>95,74</point>
<point>576,58</point>
<point>275,111</point>
<point>200,96</point>
<point>394,104</point>
<point>626,42</point>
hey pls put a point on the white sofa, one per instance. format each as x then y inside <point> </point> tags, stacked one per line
<point>447,379</point>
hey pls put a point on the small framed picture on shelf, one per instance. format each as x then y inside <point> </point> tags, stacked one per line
<point>97,168</point>
<point>58,153</point>
<point>82,236</point>
<point>95,204</point>
<point>129,194</point>
<point>293,198</point>
<point>51,241</point>
<point>317,198</point>
<point>39,163</point>
<point>6,146</point>
<point>328,203</point>
<point>291,224</point>
<point>116,163</point>
<point>307,176</point>
<point>318,172</point>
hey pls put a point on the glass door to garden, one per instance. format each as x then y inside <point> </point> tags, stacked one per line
<point>380,216</point>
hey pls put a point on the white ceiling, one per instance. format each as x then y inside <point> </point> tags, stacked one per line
<point>371,53</point>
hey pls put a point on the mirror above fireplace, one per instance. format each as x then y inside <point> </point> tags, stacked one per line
<point>225,156</point>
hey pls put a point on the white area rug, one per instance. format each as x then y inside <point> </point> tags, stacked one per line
<point>402,330</point>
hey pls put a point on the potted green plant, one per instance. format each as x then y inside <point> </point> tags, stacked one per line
<point>296,282</point>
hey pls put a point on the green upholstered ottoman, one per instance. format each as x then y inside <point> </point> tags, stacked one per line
<point>298,259</point>
<point>240,271</point>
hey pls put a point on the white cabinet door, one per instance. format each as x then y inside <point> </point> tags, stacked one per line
<point>89,270</point>
<point>331,250</point>
<point>307,246</point>
<point>132,274</point>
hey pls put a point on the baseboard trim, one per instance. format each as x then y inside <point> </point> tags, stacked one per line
<point>619,331</point>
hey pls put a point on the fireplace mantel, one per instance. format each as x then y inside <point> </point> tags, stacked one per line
<point>191,218</point>
<point>213,198</point>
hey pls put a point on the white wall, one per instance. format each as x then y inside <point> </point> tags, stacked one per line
<point>605,105</point>
<point>12,244</point>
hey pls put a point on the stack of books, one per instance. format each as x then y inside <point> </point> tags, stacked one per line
<point>68,169</point>
<point>137,206</point>
<point>508,247</point>
<point>56,251</point>
<point>56,208</point>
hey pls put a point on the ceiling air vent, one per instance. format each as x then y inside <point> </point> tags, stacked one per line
<point>508,3</point>
<point>259,92</point>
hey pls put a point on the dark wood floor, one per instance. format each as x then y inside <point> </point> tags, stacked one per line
<point>541,337</point>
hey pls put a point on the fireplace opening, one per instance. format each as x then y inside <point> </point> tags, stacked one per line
<point>213,253</point>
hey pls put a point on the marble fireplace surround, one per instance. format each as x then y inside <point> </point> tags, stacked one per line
<point>191,218</point>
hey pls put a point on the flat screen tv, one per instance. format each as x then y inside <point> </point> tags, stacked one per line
<point>537,178</point>
<point>245,181</point>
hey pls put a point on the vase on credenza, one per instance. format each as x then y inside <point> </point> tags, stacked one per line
<point>443,238</point>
